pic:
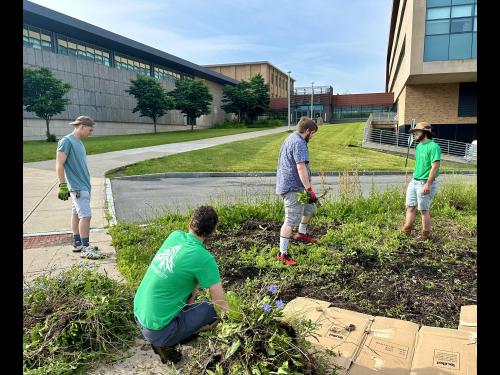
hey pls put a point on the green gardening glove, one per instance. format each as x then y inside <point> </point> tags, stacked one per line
<point>63,191</point>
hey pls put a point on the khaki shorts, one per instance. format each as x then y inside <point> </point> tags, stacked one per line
<point>294,210</point>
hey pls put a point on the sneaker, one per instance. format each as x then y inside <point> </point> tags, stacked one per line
<point>77,248</point>
<point>91,253</point>
<point>304,238</point>
<point>167,353</point>
<point>286,259</point>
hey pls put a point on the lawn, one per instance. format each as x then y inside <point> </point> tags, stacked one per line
<point>333,148</point>
<point>42,150</point>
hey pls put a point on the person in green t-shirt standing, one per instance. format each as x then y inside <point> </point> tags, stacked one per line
<point>164,307</point>
<point>423,187</point>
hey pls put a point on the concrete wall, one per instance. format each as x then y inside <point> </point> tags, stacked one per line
<point>437,104</point>
<point>98,91</point>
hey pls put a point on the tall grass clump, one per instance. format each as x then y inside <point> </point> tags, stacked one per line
<point>74,319</point>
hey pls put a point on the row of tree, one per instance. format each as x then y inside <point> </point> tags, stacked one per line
<point>44,94</point>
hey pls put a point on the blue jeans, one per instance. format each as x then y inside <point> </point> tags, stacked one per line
<point>189,320</point>
<point>415,197</point>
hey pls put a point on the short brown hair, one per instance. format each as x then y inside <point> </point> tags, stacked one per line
<point>306,123</point>
<point>204,220</point>
<point>83,120</point>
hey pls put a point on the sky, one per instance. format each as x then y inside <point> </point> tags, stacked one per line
<point>338,43</point>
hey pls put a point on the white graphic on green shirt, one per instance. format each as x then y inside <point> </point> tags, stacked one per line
<point>164,260</point>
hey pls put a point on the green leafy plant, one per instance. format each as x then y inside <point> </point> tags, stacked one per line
<point>73,319</point>
<point>192,98</point>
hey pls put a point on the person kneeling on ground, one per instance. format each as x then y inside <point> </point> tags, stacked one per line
<point>294,175</point>
<point>164,307</point>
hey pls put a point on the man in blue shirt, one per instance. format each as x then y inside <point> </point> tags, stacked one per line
<point>74,180</point>
<point>294,175</point>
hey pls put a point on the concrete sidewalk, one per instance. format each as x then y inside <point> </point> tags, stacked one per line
<point>46,219</point>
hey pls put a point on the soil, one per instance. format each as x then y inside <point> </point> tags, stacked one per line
<point>425,282</point>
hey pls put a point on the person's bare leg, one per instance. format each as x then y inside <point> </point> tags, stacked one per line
<point>286,231</point>
<point>75,221</point>
<point>84,227</point>
<point>411,213</point>
<point>426,224</point>
<point>305,219</point>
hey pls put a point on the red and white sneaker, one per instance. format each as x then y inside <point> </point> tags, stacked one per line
<point>304,238</point>
<point>286,259</point>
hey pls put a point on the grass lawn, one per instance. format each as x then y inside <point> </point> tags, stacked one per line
<point>333,148</point>
<point>42,150</point>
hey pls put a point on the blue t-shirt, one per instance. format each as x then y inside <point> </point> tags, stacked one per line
<point>76,171</point>
<point>294,150</point>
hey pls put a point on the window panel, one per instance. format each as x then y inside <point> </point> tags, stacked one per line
<point>438,3</point>
<point>458,2</point>
<point>475,10</point>
<point>475,23</point>
<point>460,46</point>
<point>436,47</point>
<point>62,43</point>
<point>461,25</point>
<point>474,45</point>
<point>437,27</point>
<point>461,11</point>
<point>436,13</point>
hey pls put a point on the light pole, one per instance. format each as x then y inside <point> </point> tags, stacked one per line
<point>288,100</point>
<point>312,98</point>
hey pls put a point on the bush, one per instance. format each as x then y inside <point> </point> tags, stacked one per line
<point>253,338</point>
<point>264,123</point>
<point>229,124</point>
<point>71,320</point>
<point>51,137</point>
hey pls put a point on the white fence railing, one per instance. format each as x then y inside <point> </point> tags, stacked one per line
<point>381,116</point>
<point>394,138</point>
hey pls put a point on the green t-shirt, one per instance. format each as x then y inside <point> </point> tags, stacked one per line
<point>426,154</point>
<point>180,264</point>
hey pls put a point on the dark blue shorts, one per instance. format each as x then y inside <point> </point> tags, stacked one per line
<point>190,319</point>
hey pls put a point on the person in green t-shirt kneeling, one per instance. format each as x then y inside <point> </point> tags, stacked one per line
<point>164,307</point>
<point>423,187</point>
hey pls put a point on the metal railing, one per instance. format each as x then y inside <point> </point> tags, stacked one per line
<point>400,139</point>
<point>378,116</point>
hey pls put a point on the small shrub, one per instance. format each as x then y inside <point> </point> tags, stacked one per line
<point>73,319</point>
<point>229,124</point>
<point>51,137</point>
<point>264,123</point>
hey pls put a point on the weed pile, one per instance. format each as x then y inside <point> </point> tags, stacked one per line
<point>73,319</point>
<point>253,338</point>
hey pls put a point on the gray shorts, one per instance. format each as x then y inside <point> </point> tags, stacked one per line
<point>81,203</point>
<point>415,198</point>
<point>294,210</point>
<point>190,319</point>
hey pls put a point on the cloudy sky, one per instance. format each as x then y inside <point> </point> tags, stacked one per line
<point>341,43</point>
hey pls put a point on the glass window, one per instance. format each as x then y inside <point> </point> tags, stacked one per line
<point>436,13</point>
<point>438,27</point>
<point>461,25</point>
<point>436,47</point>
<point>26,39</point>
<point>438,3</point>
<point>475,23</point>
<point>474,45</point>
<point>460,46</point>
<point>34,39</point>
<point>72,49</point>
<point>46,41</point>
<point>475,10</point>
<point>458,2</point>
<point>62,46</point>
<point>461,11</point>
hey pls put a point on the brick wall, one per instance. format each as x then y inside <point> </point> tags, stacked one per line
<point>436,103</point>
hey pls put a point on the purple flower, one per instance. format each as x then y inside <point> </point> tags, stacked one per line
<point>266,307</point>
<point>279,304</point>
<point>272,288</point>
<point>26,289</point>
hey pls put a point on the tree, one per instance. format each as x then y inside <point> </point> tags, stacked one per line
<point>192,98</point>
<point>43,94</point>
<point>248,99</point>
<point>152,99</point>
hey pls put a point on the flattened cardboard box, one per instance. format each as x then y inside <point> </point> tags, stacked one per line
<point>343,332</point>
<point>468,318</point>
<point>388,348</point>
<point>308,308</point>
<point>443,351</point>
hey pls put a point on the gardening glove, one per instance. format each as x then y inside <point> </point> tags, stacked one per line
<point>311,195</point>
<point>63,191</point>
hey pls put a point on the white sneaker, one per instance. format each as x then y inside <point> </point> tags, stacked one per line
<point>91,253</point>
<point>77,249</point>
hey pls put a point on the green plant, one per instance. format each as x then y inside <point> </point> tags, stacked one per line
<point>254,338</point>
<point>44,94</point>
<point>73,319</point>
<point>192,98</point>
<point>51,137</point>
<point>229,124</point>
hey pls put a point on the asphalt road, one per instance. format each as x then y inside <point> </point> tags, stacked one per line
<point>140,200</point>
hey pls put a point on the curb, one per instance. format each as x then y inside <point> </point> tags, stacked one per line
<point>40,234</point>
<point>256,174</point>
<point>110,202</point>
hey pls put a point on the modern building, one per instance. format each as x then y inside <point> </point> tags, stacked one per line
<point>99,65</point>
<point>277,79</point>
<point>432,65</point>
<point>330,107</point>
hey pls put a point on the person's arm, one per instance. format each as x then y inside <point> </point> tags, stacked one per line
<point>195,292</point>
<point>60,160</point>
<point>431,178</point>
<point>217,296</point>
<point>303,175</point>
